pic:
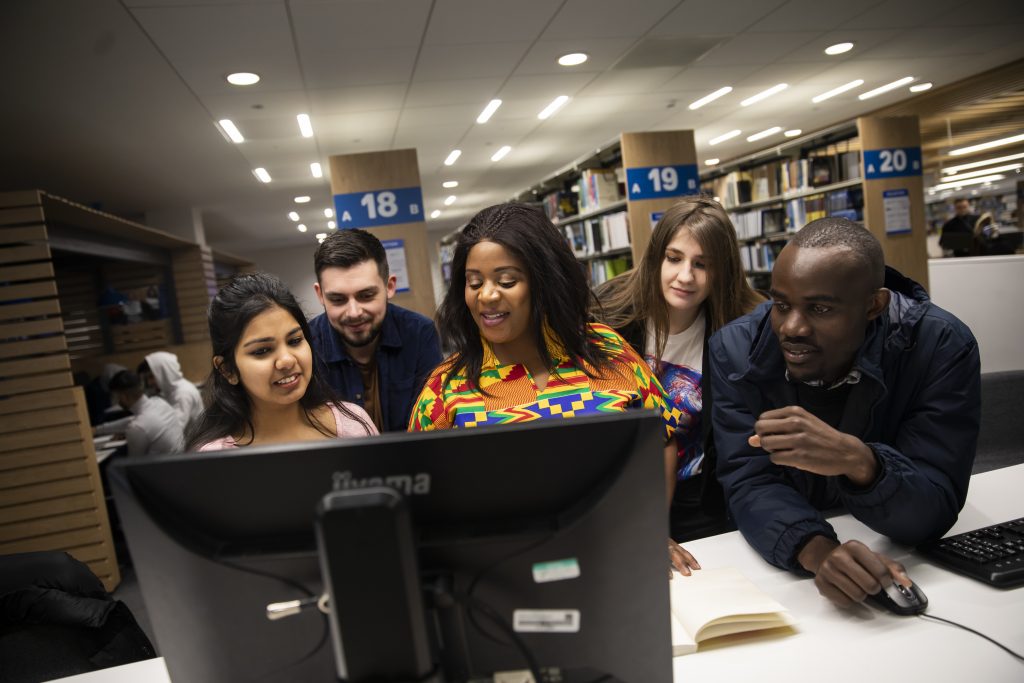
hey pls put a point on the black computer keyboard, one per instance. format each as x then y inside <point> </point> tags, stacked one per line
<point>994,554</point>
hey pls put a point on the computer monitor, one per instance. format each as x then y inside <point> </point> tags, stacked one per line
<point>557,517</point>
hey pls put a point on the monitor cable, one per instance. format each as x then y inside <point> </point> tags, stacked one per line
<point>971,630</point>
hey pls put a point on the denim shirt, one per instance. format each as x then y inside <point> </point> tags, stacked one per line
<point>408,350</point>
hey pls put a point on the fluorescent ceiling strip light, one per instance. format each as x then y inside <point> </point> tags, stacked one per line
<point>764,94</point>
<point>501,153</point>
<point>316,169</point>
<point>450,184</point>
<point>555,105</point>
<point>986,162</point>
<point>764,133</point>
<point>838,91</point>
<point>724,136</point>
<point>328,213</point>
<point>305,127</point>
<point>294,216</point>
<point>711,98</point>
<point>838,48</point>
<point>987,145</point>
<point>229,128</point>
<point>262,174</point>
<point>920,87</point>
<point>452,157</point>
<point>449,200</point>
<point>792,133</point>
<point>711,162</point>
<point>885,88</point>
<point>303,199</point>
<point>970,181</point>
<point>321,236</point>
<point>332,225</point>
<point>435,213</point>
<point>984,171</point>
<point>488,111</point>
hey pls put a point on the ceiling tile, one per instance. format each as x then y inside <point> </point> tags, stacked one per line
<point>339,67</point>
<point>704,17</point>
<point>630,81</point>
<point>808,15</point>
<point>476,91</point>
<point>357,99</point>
<point>454,22</point>
<point>447,62</point>
<point>757,48</point>
<point>606,19</point>
<point>602,53</point>
<point>322,28</point>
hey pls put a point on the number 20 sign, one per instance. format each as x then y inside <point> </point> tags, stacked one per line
<point>893,162</point>
<point>653,182</point>
<point>379,207</point>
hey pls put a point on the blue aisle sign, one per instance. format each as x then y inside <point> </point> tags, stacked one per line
<point>379,207</point>
<point>655,182</point>
<point>895,162</point>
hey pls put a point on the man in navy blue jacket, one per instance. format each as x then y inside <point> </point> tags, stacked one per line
<point>377,354</point>
<point>849,389</point>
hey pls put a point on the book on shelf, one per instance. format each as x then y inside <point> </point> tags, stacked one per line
<point>712,604</point>
<point>597,187</point>
<point>576,236</point>
<point>617,226</point>
<point>602,270</point>
<point>849,165</point>
<point>773,221</point>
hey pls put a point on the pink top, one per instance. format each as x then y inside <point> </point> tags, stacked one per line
<point>347,427</point>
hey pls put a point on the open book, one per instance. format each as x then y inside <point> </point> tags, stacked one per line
<point>719,602</point>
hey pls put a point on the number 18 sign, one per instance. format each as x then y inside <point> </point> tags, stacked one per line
<point>379,207</point>
<point>655,182</point>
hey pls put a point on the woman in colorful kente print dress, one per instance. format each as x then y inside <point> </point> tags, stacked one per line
<point>516,316</point>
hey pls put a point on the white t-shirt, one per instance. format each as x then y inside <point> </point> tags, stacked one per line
<point>679,371</point>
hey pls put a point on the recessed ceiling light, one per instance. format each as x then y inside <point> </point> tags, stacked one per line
<point>435,213</point>
<point>488,111</point>
<point>452,157</point>
<point>573,59</point>
<point>229,128</point>
<point>304,199</point>
<point>328,213</point>
<point>792,133</point>
<point>838,48</point>
<point>711,98</point>
<point>316,169</point>
<point>920,87</point>
<point>262,174</point>
<point>301,227</point>
<point>724,136</point>
<point>332,225</point>
<point>243,78</point>
<point>711,162</point>
<point>985,162</point>
<point>885,88</point>
<point>837,91</point>
<point>764,94</point>
<point>501,153</point>
<point>764,133</point>
<point>449,200</point>
<point>555,105</point>
<point>294,216</point>
<point>305,126</point>
<point>987,145</point>
<point>971,181</point>
<point>450,184</point>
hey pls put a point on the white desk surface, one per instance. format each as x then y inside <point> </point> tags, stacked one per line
<point>863,643</point>
<point>835,645</point>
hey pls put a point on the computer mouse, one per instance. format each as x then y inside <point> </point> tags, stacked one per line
<point>899,599</point>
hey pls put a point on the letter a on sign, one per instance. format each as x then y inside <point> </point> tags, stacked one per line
<point>635,189</point>
<point>346,217</point>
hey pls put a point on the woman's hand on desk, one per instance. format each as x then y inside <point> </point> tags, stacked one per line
<point>849,572</point>
<point>680,558</point>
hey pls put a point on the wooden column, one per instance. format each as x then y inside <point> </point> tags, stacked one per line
<point>51,497</point>
<point>894,191</point>
<point>660,167</point>
<point>380,192</point>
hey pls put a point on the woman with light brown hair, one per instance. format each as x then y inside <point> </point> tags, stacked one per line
<point>688,284</point>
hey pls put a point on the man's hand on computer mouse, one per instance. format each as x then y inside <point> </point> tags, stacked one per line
<point>680,559</point>
<point>847,573</point>
<point>795,438</point>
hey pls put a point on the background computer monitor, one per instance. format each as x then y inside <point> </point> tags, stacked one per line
<point>558,515</point>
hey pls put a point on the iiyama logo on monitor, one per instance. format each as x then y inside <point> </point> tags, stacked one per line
<point>408,484</point>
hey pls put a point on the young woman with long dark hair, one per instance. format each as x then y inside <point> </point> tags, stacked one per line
<point>265,386</point>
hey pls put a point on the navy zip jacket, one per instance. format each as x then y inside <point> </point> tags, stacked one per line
<point>916,406</point>
<point>407,352</point>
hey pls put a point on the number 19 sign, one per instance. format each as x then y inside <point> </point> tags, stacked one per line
<point>655,182</point>
<point>896,162</point>
<point>380,207</point>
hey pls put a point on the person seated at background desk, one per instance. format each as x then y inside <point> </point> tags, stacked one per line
<point>516,315</point>
<point>265,386</point>
<point>962,225</point>
<point>850,388</point>
<point>153,428</point>
<point>377,354</point>
<point>161,371</point>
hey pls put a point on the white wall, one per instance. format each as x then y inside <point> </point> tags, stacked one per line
<point>985,292</point>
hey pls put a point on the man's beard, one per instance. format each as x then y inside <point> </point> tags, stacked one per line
<point>364,339</point>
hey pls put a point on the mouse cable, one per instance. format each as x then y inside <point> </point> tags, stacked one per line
<point>977,633</point>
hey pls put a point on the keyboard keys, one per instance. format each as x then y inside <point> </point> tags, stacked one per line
<point>994,554</point>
